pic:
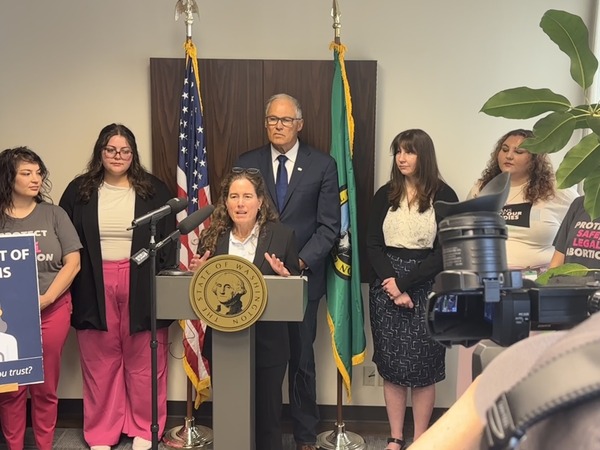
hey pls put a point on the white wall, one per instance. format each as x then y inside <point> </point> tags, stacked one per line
<point>67,68</point>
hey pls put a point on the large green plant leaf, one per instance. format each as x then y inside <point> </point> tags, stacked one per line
<point>524,103</point>
<point>551,133</point>
<point>579,162</point>
<point>591,188</point>
<point>593,123</point>
<point>570,269</point>
<point>584,114</point>
<point>571,35</point>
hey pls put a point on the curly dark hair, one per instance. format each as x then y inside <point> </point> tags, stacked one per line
<point>427,175</point>
<point>9,164</point>
<point>222,223</point>
<point>94,174</point>
<point>541,185</point>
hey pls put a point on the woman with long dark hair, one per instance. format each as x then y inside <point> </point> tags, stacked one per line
<point>405,256</point>
<point>111,295</point>
<point>245,223</point>
<point>26,208</point>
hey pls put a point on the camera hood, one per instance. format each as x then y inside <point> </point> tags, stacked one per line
<point>491,199</point>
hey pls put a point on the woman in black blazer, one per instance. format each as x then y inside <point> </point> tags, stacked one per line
<point>246,224</point>
<point>405,256</point>
<point>111,295</point>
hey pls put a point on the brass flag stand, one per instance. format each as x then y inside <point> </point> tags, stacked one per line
<point>339,438</point>
<point>189,435</point>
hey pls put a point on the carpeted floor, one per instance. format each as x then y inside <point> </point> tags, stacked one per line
<point>72,438</point>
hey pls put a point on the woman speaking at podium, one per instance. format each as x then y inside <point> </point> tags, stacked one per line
<point>246,224</point>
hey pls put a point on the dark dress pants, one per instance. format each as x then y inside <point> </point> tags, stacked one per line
<point>268,400</point>
<point>304,410</point>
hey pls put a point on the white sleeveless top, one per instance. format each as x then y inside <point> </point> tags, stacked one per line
<point>116,207</point>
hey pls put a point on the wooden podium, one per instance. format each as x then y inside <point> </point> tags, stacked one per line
<point>233,353</point>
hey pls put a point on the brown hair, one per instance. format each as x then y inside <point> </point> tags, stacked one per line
<point>541,182</point>
<point>9,163</point>
<point>427,175</point>
<point>221,223</point>
<point>94,174</point>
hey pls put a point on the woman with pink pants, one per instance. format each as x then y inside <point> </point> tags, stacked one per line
<point>24,188</point>
<point>111,295</point>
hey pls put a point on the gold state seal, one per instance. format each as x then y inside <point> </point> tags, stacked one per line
<point>228,293</point>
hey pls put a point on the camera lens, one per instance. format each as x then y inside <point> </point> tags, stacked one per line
<point>474,243</point>
<point>594,302</point>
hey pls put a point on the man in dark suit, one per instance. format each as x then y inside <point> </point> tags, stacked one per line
<point>303,184</point>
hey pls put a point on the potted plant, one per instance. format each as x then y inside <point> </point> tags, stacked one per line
<point>553,131</point>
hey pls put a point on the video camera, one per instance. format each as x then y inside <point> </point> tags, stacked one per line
<point>476,297</point>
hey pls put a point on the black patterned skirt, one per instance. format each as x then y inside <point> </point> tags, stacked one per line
<point>403,351</point>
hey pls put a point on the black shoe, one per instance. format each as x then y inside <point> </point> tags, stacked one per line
<point>400,442</point>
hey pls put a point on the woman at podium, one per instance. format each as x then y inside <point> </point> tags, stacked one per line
<point>246,224</point>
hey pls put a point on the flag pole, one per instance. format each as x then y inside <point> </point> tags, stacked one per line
<point>189,435</point>
<point>337,25</point>
<point>339,438</point>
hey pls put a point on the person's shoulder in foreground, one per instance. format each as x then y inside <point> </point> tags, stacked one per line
<point>571,428</point>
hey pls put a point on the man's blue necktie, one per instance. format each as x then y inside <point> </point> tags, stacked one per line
<point>281,182</point>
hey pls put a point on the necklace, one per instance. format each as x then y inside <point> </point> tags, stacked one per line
<point>241,236</point>
<point>520,192</point>
<point>410,193</point>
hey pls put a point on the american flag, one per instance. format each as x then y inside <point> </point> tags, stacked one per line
<point>192,183</point>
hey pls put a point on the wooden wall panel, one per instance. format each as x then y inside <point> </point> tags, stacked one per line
<point>363,87</point>
<point>233,115</point>
<point>232,101</point>
<point>310,83</point>
<point>234,93</point>
<point>165,92</point>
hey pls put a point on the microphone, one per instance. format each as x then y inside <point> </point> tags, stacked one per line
<point>173,206</point>
<point>194,220</point>
<point>188,224</point>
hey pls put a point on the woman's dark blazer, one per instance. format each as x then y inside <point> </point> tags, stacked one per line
<point>376,249</point>
<point>272,341</point>
<point>87,290</point>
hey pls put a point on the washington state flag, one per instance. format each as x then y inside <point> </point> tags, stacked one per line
<point>345,314</point>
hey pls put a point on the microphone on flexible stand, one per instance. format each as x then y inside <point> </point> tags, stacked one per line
<point>189,435</point>
<point>174,206</point>
<point>186,226</point>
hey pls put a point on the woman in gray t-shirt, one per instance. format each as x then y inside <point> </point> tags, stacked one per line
<point>23,210</point>
<point>578,239</point>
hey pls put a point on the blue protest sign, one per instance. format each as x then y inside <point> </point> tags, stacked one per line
<point>20,325</point>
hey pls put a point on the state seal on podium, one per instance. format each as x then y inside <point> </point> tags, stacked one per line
<point>229,293</point>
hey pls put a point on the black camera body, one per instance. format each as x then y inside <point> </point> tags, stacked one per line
<point>476,297</point>
<point>466,316</point>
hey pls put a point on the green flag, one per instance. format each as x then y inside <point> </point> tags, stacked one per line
<point>344,298</point>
